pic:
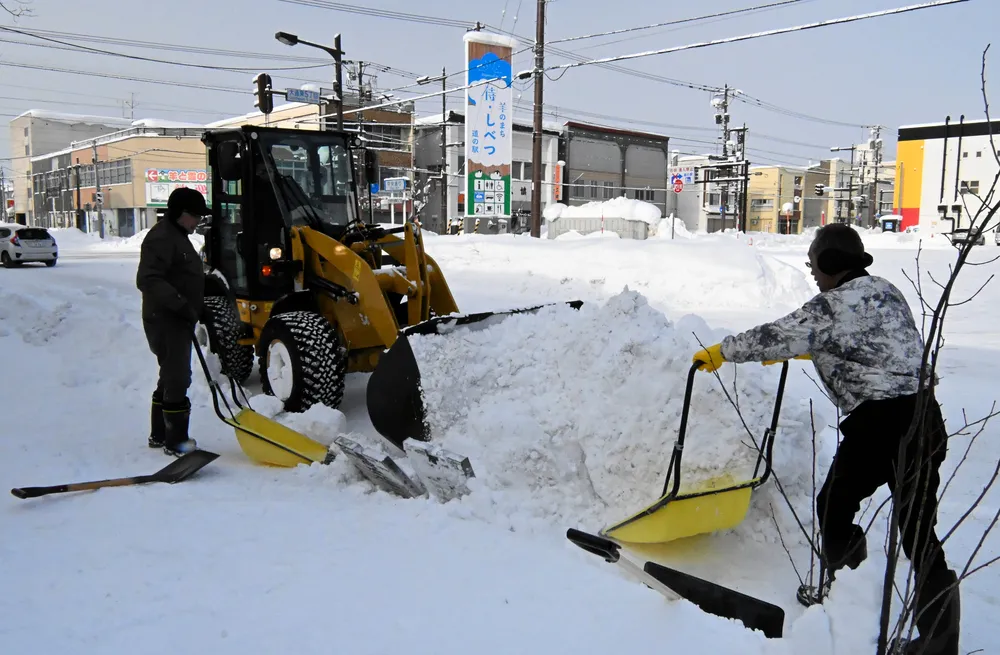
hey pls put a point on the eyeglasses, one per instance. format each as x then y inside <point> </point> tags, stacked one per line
<point>809,265</point>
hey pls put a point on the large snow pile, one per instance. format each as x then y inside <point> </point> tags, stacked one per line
<point>620,207</point>
<point>679,231</point>
<point>569,416</point>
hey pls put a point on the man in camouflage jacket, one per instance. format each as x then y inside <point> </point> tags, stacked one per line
<point>861,336</point>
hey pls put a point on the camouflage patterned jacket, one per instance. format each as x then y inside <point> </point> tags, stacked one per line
<point>861,336</point>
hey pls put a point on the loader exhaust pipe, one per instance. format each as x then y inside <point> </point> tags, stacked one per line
<point>394,399</point>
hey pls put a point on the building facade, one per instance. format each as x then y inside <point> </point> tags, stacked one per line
<point>942,172</point>
<point>603,163</point>
<point>775,202</point>
<point>136,169</point>
<point>427,178</point>
<point>38,131</point>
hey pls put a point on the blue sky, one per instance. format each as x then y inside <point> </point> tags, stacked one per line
<point>913,68</point>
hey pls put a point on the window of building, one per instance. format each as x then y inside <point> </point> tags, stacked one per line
<point>593,188</point>
<point>979,153</point>
<point>644,194</point>
<point>761,203</point>
<point>118,171</point>
<point>609,190</point>
<point>798,182</point>
<point>971,186</point>
<point>25,131</point>
<point>27,150</point>
<point>965,155</point>
<point>527,170</point>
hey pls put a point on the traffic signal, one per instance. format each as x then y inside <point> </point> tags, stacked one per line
<point>819,189</point>
<point>263,100</point>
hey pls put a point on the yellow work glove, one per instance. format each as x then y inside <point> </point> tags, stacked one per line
<point>778,361</point>
<point>711,357</point>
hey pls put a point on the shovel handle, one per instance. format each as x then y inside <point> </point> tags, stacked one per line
<point>35,492</point>
<point>593,544</point>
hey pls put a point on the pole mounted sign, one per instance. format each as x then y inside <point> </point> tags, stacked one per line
<point>302,95</point>
<point>489,134</point>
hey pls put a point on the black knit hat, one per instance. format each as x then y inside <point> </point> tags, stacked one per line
<point>186,200</point>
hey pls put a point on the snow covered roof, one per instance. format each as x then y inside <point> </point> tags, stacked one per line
<point>435,120</point>
<point>161,123</point>
<point>235,120</point>
<point>145,132</point>
<point>63,117</point>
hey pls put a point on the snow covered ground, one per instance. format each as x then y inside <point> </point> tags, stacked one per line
<point>574,433</point>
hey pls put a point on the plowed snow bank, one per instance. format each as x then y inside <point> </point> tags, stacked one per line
<point>569,416</point>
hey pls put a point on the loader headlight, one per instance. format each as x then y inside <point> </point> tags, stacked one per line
<point>275,254</point>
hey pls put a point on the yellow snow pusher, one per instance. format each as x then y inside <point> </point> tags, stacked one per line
<point>717,504</point>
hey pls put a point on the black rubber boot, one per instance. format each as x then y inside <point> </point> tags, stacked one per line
<point>157,431</point>
<point>175,419</point>
<point>945,612</point>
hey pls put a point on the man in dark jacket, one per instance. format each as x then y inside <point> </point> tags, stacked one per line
<point>172,282</point>
<point>861,336</point>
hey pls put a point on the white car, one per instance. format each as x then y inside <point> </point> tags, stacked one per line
<point>19,244</point>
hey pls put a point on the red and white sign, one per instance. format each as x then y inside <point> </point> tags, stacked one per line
<point>170,175</point>
<point>678,186</point>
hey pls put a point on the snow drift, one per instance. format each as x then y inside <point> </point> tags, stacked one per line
<point>568,416</point>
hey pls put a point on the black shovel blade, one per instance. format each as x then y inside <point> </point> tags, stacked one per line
<point>395,403</point>
<point>184,466</point>
<point>715,599</point>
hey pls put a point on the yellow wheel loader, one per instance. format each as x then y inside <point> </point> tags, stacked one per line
<point>301,283</point>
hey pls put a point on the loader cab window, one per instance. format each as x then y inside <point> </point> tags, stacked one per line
<point>315,181</point>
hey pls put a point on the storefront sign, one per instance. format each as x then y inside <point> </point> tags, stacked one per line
<point>489,134</point>
<point>172,175</point>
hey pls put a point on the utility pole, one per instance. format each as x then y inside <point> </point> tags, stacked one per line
<point>444,152</point>
<point>131,107</point>
<point>722,118</point>
<point>338,86</point>
<point>97,187</point>
<point>81,224</point>
<point>536,135</point>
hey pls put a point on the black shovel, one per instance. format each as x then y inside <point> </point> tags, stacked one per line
<point>180,469</point>
<point>753,613</point>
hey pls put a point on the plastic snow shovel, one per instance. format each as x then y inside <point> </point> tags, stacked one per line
<point>716,505</point>
<point>180,469</point>
<point>715,599</point>
<point>263,439</point>
<point>395,404</point>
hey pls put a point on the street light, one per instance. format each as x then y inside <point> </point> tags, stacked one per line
<point>444,142</point>
<point>336,53</point>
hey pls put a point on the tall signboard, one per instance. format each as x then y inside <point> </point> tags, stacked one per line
<point>489,122</point>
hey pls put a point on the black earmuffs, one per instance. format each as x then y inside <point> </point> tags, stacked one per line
<point>832,261</point>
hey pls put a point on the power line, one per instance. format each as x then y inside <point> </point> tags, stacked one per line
<point>189,85</point>
<point>187,49</point>
<point>383,13</point>
<point>673,22</point>
<point>756,35</point>
<point>82,48</point>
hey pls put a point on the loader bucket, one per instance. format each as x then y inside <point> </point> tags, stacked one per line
<point>395,402</point>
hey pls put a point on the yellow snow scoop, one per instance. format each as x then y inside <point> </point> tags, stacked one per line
<point>718,504</point>
<point>263,439</point>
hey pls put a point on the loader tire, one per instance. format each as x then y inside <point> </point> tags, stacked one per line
<point>223,332</point>
<point>303,353</point>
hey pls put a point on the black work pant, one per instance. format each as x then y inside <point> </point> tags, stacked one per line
<point>170,340</point>
<point>866,459</point>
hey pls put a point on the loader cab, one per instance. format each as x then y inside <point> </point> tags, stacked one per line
<point>264,182</point>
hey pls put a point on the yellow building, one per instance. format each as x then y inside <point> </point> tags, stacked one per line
<point>775,199</point>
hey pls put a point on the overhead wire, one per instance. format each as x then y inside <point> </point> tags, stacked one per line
<point>678,21</point>
<point>109,53</point>
<point>382,13</point>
